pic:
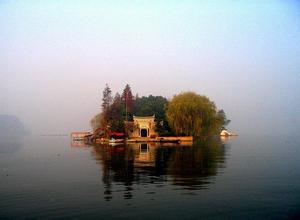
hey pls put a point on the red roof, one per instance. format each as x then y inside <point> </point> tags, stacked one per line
<point>116,134</point>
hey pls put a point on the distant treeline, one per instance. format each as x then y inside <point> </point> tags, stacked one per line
<point>10,125</point>
<point>187,114</point>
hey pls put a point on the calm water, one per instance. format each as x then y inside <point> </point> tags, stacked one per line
<point>245,177</point>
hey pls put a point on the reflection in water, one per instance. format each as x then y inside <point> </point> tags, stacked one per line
<point>190,166</point>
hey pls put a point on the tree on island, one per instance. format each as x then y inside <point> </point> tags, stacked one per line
<point>116,117</point>
<point>190,114</point>
<point>106,102</point>
<point>114,111</point>
<point>106,99</point>
<point>101,120</point>
<point>127,99</point>
<point>187,114</point>
<point>96,122</point>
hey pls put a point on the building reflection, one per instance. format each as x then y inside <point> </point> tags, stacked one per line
<point>78,144</point>
<point>144,155</point>
<point>189,166</point>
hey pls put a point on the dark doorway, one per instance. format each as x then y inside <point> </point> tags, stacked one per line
<point>144,133</point>
<point>144,148</point>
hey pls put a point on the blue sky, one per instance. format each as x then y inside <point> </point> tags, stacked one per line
<point>56,56</point>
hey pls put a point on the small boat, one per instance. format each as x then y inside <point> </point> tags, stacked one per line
<point>115,141</point>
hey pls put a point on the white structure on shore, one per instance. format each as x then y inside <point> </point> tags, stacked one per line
<point>225,133</point>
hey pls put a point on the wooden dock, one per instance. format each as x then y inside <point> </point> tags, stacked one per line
<point>161,139</point>
<point>79,136</point>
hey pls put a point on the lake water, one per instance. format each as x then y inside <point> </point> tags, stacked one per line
<point>247,177</point>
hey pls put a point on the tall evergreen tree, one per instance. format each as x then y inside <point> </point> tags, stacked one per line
<point>106,99</point>
<point>106,102</point>
<point>128,101</point>
<point>116,119</point>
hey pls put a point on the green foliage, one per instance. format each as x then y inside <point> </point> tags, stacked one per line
<point>223,119</point>
<point>127,99</point>
<point>114,110</point>
<point>97,121</point>
<point>106,102</point>
<point>151,105</point>
<point>107,98</point>
<point>115,114</point>
<point>191,114</point>
<point>188,114</point>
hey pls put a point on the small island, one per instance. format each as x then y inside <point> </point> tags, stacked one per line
<point>128,118</point>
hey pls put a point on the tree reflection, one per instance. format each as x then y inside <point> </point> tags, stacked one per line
<point>189,166</point>
<point>117,166</point>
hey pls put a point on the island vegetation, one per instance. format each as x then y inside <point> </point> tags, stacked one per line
<point>186,114</point>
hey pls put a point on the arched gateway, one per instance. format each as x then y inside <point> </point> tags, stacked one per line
<point>143,127</point>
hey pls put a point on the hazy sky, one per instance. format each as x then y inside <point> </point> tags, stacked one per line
<point>56,56</point>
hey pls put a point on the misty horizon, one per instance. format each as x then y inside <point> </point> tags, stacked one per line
<point>56,58</point>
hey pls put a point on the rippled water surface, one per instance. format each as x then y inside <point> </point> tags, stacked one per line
<point>256,177</point>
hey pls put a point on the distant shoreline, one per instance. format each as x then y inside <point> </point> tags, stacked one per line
<point>53,135</point>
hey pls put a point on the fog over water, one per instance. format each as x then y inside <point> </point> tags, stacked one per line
<point>56,56</point>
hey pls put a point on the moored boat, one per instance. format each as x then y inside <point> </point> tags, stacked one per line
<point>115,141</point>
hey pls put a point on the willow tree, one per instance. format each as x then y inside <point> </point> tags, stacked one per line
<point>190,114</point>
